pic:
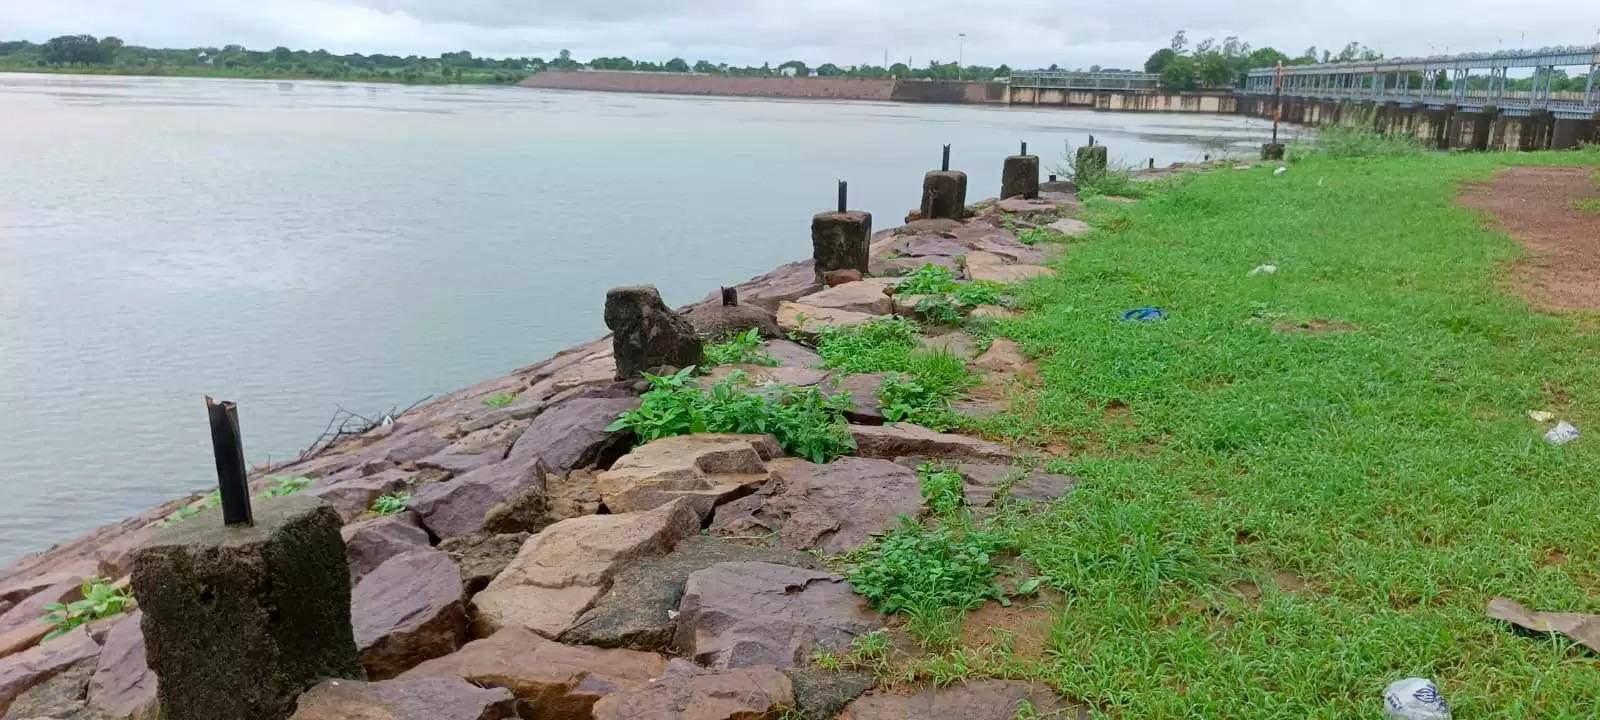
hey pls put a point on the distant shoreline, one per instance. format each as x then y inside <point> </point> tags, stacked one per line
<point>225,74</point>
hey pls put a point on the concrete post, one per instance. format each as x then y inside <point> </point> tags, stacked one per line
<point>1020,176</point>
<point>1091,163</point>
<point>240,620</point>
<point>944,195</point>
<point>842,241</point>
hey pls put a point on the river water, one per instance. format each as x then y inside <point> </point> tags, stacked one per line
<point>298,246</point>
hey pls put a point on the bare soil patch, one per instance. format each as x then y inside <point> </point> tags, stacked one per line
<point>1024,627</point>
<point>1538,206</point>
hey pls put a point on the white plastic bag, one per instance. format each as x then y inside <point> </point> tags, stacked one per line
<point>1280,171</point>
<point>1561,434</point>
<point>1264,270</point>
<point>1414,699</point>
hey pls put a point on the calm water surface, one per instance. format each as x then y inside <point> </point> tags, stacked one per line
<point>296,246</point>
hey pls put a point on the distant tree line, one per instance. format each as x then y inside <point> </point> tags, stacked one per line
<point>85,53</point>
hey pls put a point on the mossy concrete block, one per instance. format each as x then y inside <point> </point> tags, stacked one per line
<point>944,195</point>
<point>239,621</point>
<point>841,241</point>
<point>1020,177</point>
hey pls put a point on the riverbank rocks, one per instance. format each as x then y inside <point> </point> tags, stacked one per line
<point>640,609</point>
<point>863,389</point>
<point>645,334</point>
<point>719,321</point>
<point>408,610</point>
<point>368,543</point>
<point>65,695</point>
<point>905,439</point>
<point>573,434</point>
<point>756,376</point>
<point>1069,227</point>
<point>983,265</point>
<point>351,492</point>
<point>25,670</point>
<point>458,507</point>
<point>482,556</point>
<point>969,700</point>
<point>707,469</point>
<point>804,319</point>
<point>748,614</point>
<point>20,628</point>
<point>123,684</point>
<point>988,484</point>
<point>561,572</point>
<point>870,296</point>
<point>550,680</point>
<point>419,699</point>
<point>832,508</point>
<point>787,282</point>
<point>1004,356</point>
<point>687,694</point>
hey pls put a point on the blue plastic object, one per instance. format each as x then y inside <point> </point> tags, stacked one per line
<point>1145,314</point>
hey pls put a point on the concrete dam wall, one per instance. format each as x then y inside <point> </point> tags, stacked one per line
<point>814,88</point>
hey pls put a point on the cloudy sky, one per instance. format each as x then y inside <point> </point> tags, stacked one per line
<point>1017,32</point>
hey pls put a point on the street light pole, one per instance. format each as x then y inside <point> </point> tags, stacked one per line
<point>961,53</point>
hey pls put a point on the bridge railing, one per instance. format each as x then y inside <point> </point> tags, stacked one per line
<point>1079,80</point>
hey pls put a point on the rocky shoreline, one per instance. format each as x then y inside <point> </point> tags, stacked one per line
<point>546,567</point>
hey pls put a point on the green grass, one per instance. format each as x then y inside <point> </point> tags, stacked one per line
<point>1378,482</point>
<point>1588,205</point>
<point>100,600</point>
<point>743,348</point>
<point>881,345</point>
<point>500,400</point>
<point>391,504</point>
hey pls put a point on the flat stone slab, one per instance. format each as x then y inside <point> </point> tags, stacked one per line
<point>759,375</point>
<point>560,573</point>
<point>1003,356</point>
<point>483,556</point>
<point>123,685</point>
<point>993,312</point>
<point>1023,206</point>
<point>22,671</point>
<point>863,296</point>
<point>970,700</point>
<point>640,611</point>
<point>419,699</point>
<point>833,508</point>
<point>1069,227</point>
<point>956,343</point>
<point>573,433</point>
<point>549,679</point>
<point>905,439</point>
<point>20,628</point>
<point>708,469</point>
<point>798,318</point>
<point>684,694</point>
<point>987,484</point>
<point>792,354</point>
<point>863,389</point>
<point>1008,274</point>
<point>457,507</point>
<point>748,614</point>
<point>368,543</point>
<point>408,610</point>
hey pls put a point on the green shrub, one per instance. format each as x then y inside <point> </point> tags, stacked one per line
<point>942,488</point>
<point>391,504</point>
<point>881,345</point>
<point>1034,236</point>
<point>1359,141</point>
<point>284,485</point>
<point>740,349</point>
<point>929,279</point>
<point>501,400</point>
<point>916,568</point>
<point>978,292</point>
<point>806,423</point>
<point>939,309</point>
<point>936,378</point>
<point>100,600</point>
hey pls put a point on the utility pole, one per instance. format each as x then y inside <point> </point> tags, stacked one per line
<point>961,53</point>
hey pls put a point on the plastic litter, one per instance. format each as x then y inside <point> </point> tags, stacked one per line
<point>1145,314</point>
<point>1561,434</point>
<point>1414,699</point>
<point>1280,170</point>
<point>1264,270</point>
<point>1541,415</point>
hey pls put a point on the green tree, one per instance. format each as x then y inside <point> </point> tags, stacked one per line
<point>1180,75</point>
<point>1216,70</point>
<point>702,66</point>
<point>829,70</point>
<point>1265,58</point>
<point>900,70</point>
<point>1159,60</point>
<point>800,69</point>
<point>1004,71</point>
<point>677,65</point>
<point>1180,42</point>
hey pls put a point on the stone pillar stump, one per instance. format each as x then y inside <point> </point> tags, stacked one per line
<point>1020,177</point>
<point>841,241</point>
<point>944,195</point>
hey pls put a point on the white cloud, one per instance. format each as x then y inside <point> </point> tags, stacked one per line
<point>1022,33</point>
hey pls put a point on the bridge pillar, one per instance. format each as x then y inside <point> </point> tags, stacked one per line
<point>1481,125</point>
<point>1444,124</point>
<point>1569,132</point>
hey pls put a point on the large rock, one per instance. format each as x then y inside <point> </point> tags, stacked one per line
<point>970,700</point>
<point>641,608</point>
<point>20,628</point>
<point>831,508</point>
<point>863,389</point>
<point>708,469</point>
<point>840,241</point>
<point>1003,356</point>
<point>457,507</point>
<point>756,376</point>
<point>368,543</point>
<point>992,267</point>
<point>933,245</point>
<point>742,694</point>
<point>1026,207</point>
<point>645,334</point>
<point>573,434</point>
<point>562,571</point>
<point>800,318</point>
<point>230,612</point>
<point>482,556</point>
<point>552,681</point>
<point>123,684</point>
<point>408,610</point>
<point>792,354</point>
<point>526,511</point>
<point>870,296</point>
<point>820,693</point>
<point>787,282</point>
<point>748,614</point>
<point>1069,227</point>
<point>62,696</point>
<point>418,699</point>
<point>351,493</point>
<point>904,439</point>
<point>22,671</point>
<point>720,321</point>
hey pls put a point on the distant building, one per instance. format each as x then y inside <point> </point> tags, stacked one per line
<point>787,72</point>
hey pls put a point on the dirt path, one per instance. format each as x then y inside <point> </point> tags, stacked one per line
<point>1535,205</point>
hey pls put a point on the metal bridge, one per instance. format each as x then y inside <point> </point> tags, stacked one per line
<point>1412,82</point>
<point>1079,80</point>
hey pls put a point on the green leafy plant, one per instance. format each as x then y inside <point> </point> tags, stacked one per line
<point>1034,236</point>
<point>929,279</point>
<point>941,487</point>
<point>500,400</point>
<point>193,509</point>
<point>391,504</point>
<point>805,422</point>
<point>978,292</point>
<point>935,378</point>
<point>742,348</point>
<point>285,485</point>
<point>939,309</point>
<point>919,568</point>
<point>100,600</point>
<point>904,399</point>
<point>881,345</point>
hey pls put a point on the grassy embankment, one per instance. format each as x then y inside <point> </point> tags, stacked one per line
<point>468,77</point>
<point>1300,487</point>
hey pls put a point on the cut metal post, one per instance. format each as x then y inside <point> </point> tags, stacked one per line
<point>844,193</point>
<point>945,165</point>
<point>1024,149</point>
<point>1277,102</point>
<point>228,448</point>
